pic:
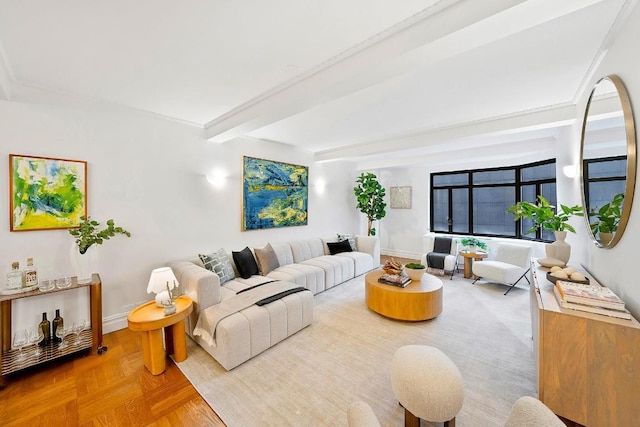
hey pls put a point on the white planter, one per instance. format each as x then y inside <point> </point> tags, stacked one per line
<point>415,274</point>
<point>559,249</point>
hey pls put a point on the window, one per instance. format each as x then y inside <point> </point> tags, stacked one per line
<point>476,201</point>
<point>602,178</point>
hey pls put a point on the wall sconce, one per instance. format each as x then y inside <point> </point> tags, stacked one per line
<point>217,178</point>
<point>320,186</point>
<point>570,171</point>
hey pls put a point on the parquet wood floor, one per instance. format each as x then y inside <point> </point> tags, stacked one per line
<point>113,389</point>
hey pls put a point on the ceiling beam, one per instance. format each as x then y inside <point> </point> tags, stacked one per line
<point>556,116</point>
<point>343,74</point>
<point>426,38</point>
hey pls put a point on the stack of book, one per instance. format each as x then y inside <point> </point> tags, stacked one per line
<point>395,280</point>
<point>592,298</point>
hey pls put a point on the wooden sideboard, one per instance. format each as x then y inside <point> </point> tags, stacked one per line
<point>587,365</point>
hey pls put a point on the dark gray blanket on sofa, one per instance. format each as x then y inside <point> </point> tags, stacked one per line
<point>441,248</point>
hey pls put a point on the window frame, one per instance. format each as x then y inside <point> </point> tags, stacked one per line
<point>517,184</point>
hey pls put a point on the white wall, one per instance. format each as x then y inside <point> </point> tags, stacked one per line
<point>615,267</point>
<point>149,175</point>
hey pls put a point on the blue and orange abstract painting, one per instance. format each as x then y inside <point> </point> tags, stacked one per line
<point>46,193</point>
<point>275,194</point>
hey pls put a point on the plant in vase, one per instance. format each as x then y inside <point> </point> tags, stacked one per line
<point>414,270</point>
<point>607,219</point>
<point>471,244</point>
<point>544,216</point>
<point>86,235</point>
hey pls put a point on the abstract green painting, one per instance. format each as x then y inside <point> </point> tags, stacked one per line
<point>46,193</point>
<point>274,194</point>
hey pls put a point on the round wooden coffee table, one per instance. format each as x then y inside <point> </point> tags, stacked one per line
<point>420,300</point>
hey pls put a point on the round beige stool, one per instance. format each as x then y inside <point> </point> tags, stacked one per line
<point>427,384</point>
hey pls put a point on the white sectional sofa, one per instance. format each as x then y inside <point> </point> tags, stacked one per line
<point>232,333</point>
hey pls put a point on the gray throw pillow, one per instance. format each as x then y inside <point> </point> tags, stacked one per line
<point>267,259</point>
<point>219,263</point>
<point>350,237</point>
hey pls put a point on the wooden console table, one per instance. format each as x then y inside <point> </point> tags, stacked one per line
<point>90,338</point>
<point>587,365</point>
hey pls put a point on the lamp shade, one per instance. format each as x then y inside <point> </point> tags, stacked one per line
<point>159,279</point>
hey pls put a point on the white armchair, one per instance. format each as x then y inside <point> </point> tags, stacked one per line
<point>511,264</point>
<point>450,261</point>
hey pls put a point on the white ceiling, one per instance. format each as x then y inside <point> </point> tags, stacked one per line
<point>339,78</point>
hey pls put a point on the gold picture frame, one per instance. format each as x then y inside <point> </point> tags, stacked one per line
<point>46,193</point>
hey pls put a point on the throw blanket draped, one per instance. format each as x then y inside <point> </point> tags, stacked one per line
<point>263,294</point>
<point>441,248</point>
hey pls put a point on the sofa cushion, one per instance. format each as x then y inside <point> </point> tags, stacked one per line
<point>306,249</point>
<point>219,263</point>
<point>267,259</point>
<point>245,262</point>
<point>309,276</point>
<point>338,247</point>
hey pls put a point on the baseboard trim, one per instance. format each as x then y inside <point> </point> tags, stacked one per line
<point>114,323</point>
<point>400,254</point>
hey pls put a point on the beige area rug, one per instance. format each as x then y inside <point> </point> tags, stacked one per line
<point>311,378</point>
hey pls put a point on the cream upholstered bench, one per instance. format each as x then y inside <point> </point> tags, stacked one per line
<point>427,384</point>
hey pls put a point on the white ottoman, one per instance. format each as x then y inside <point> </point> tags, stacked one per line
<point>427,384</point>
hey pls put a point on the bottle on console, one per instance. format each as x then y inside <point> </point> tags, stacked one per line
<point>30,274</point>
<point>15,277</point>
<point>46,329</point>
<point>57,323</point>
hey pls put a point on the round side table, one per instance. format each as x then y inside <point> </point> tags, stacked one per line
<point>151,321</point>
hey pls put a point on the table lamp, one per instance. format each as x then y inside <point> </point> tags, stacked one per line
<point>162,282</point>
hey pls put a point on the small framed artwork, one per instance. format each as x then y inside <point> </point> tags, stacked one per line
<point>46,193</point>
<point>400,197</point>
<point>274,194</point>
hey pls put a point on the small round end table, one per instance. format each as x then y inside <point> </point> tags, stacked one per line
<point>151,321</point>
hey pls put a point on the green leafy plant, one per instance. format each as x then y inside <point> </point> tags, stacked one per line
<point>414,266</point>
<point>608,216</point>
<point>468,241</point>
<point>370,199</point>
<point>544,215</point>
<point>87,234</point>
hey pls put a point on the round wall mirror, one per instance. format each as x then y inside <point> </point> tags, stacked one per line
<point>608,161</point>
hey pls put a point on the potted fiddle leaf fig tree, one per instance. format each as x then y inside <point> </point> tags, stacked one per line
<point>370,199</point>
